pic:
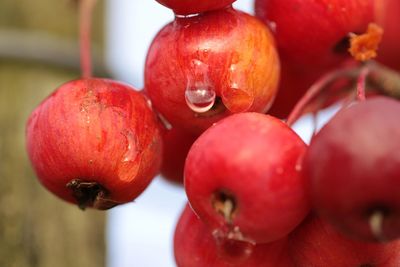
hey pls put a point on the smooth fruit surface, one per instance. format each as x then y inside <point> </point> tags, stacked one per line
<point>389,19</point>
<point>94,130</point>
<point>353,167</point>
<point>203,68</point>
<point>243,179</point>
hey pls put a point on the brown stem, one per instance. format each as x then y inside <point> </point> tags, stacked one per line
<point>85,24</point>
<point>90,194</point>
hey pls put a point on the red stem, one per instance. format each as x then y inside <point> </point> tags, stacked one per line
<point>318,87</point>
<point>361,83</point>
<point>85,26</point>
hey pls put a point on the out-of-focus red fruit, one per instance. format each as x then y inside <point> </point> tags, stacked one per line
<point>94,142</point>
<point>187,7</point>
<point>315,243</point>
<point>195,246</point>
<point>315,33</point>
<point>389,19</point>
<point>353,170</point>
<point>203,68</point>
<point>243,179</point>
<point>294,84</point>
<point>176,147</point>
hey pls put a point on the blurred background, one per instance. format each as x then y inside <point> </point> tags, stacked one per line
<point>39,52</point>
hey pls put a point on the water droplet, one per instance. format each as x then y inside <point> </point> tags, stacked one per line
<point>131,147</point>
<point>237,97</point>
<point>200,99</point>
<point>200,94</point>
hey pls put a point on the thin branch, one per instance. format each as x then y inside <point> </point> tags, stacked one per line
<point>42,47</point>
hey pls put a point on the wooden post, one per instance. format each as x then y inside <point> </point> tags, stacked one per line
<point>37,228</point>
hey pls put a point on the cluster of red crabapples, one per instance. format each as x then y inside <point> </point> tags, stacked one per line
<point>258,195</point>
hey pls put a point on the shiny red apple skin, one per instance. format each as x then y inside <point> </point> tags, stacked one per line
<point>313,33</point>
<point>177,143</point>
<point>95,130</point>
<point>315,243</point>
<point>188,7</point>
<point>195,246</point>
<point>389,19</point>
<point>256,160</point>
<point>353,168</point>
<point>228,49</point>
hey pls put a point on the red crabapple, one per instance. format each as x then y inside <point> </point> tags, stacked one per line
<point>353,169</point>
<point>203,68</point>
<point>315,243</point>
<point>195,246</point>
<point>94,142</point>
<point>176,147</point>
<point>242,178</point>
<point>389,49</point>
<point>315,34</point>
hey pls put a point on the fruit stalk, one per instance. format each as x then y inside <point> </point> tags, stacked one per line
<point>369,76</point>
<point>85,27</point>
<point>361,83</point>
<point>316,89</point>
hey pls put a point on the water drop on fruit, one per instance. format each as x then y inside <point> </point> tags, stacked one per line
<point>237,97</point>
<point>131,147</point>
<point>200,98</point>
<point>199,95</point>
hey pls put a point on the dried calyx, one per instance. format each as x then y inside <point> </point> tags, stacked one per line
<point>90,194</point>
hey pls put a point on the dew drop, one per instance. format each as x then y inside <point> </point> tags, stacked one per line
<point>200,99</point>
<point>199,94</point>
<point>237,97</point>
<point>131,147</point>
